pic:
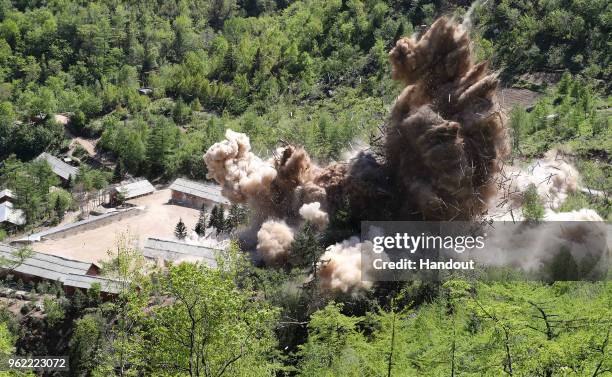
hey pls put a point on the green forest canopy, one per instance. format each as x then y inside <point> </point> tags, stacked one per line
<point>314,73</point>
<point>310,72</point>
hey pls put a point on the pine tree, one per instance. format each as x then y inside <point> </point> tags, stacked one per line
<point>212,221</point>
<point>237,215</point>
<point>200,227</point>
<point>306,246</point>
<point>196,105</point>
<point>221,223</point>
<point>118,172</point>
<point>180,231</point>
<point>399,32</point>
<point>217,219</point>
<point>161,144</point>
<point>69,182</point>
<point>257,62</point>
<point>78,301</point>
<point>58,209</point>
<point>533,210</point>
<point>230,64</point>
<point>182,112</point>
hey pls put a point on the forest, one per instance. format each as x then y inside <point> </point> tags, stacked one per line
<point>157,83</point>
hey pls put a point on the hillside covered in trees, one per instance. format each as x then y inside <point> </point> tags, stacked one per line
<point>153,84</point>
<point>311,72</point>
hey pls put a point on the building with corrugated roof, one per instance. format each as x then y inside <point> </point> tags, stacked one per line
<point>10,215</point>
<point>85,282</point>
<point>176,251</point>
<point>132,190</point>
<point>6,195</point>
<point>72,274</point>
<point>196,194</point>
<point>59,167</point>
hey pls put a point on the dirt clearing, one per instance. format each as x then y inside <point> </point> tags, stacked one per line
<point>158,220</point>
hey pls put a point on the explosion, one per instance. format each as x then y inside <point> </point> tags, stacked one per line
<point>312,212</point>
<point>447,139</point>
<point>444,145</point>
<point>577,235</point>
<point>553,176</point>
<point>443,150</point>
<point>274,188</point>
<point>340,268</point>
<point>274,241</point>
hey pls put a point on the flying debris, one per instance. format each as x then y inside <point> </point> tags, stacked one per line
<point>442,152</point>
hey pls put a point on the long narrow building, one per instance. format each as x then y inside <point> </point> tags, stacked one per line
<point>60,168</point>
<point>132,190</point>
<point>72,274</point>
<point>176,251</point>
<point>196,194</point>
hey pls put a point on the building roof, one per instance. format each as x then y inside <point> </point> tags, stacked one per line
<point>46,266</point>
<point>134,189</point>
<point>199,189</point>
<point>10,214</point>
<point>86,281</point>
<point>70,272</point>
<point>169,250</point>
<point>35,237</point>
<point>6,193</point>
<point>59,167</point>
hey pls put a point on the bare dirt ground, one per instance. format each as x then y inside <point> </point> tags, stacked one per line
<point>158,220</point>
<point>88,144</point>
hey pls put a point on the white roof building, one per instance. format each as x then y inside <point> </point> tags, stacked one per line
<point>135,189</point>
<point>186,190</point>
<point>71,273</point>
<point>6,194</point>
<point>11,215</point>
<point>176,251</point>
<point>59,167</point>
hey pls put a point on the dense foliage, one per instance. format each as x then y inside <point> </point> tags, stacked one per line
<point>197,321</point>
<point>571,115</point>
<point>155,83</point>
<point>311,72</point>
<point>549,36</point>
<point>470,330</point>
